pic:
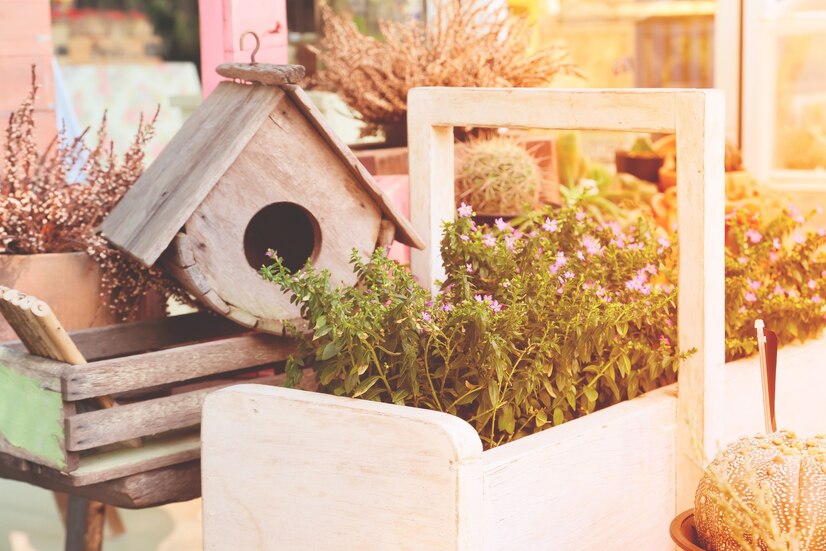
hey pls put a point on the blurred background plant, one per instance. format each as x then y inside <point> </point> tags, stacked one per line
<point>462,44</point>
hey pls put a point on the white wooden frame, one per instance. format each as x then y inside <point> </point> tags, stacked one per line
<point>697,117</point>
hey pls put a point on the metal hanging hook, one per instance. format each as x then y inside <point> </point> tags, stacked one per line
<point>257,44</point>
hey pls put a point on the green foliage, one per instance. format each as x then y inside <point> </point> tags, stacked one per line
<point>529,329</point>
<point>774,271</point>
<point>642,145</point>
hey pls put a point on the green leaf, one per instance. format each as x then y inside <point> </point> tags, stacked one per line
<point>365,385</point>
<point>591,394</point>
<point>559,417</point>
<point>330,350</point>
<point>541,418</point>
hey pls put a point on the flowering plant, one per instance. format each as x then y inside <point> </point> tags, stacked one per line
<point>774,271</point>
<point>531,328</point>
<point>43,211</point>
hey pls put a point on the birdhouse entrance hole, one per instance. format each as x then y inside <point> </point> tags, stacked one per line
<point>287,228</point>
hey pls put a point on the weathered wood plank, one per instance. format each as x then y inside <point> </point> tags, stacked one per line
<point>180,482</point>
<point>173,365</point>
<point>146,418</point>
<point>417,473</point>
<point>141,336</point>
<point>154,454</point>
<point>263,73</point>
<point>45,371</point>
<point>146,220</point>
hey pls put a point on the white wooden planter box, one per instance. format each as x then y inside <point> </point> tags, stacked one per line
<point>286,469</point>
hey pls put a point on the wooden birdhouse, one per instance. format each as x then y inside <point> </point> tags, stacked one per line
<point>254,168</point>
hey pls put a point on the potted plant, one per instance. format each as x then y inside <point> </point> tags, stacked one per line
<point>50,205</point>
<point>499,177</point>
<point>640,161</point>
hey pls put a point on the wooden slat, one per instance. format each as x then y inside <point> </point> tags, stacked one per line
<point>701,301</point>
<point>263,73</point>
<point>146,220</point>
<point>146,418</point>
<point>138,337</point>
<point>180,482</point>
<point>635,110</point>
<point>405,233</point>
<point>173,365</point>
<point>154,454</point>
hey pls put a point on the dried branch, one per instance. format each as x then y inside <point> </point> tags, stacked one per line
<point>466,43</point>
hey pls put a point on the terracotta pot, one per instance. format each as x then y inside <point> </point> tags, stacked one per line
<point>683,532</point>
<point>644,167</point>
<point>68,282</point>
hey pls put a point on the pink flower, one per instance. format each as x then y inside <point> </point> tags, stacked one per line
<point>773,257</point>
<point>743,260</point>
<point>592,246</point>
<point>665,341</point>
<point>668,322</point>
<point>664,242</point>
<point>799,238</point>
<point>469,268</point>
<point>580,215</point>
<point>509,241</point>
<point>465,211</point>
<point>569,274</point>
<point>751,297</point>
<point>793,293</point>
<point>478,298</point>
<point>550,225</point>
<point>506,284</point>
<point>473,226</point>
<point>501,225</point>
<point>776,243</point>
<point>821,232</point>
<point>489,240</point>
<point>795,214</point>
<point>812,284</point>
<point>816,299</point>
<point>464,238</point>
<point>754,284</point>
<point>271,253</point>
<point>754,236</point>
<point>426,317</point>
<point>778,290</point>
<point>495,306</point>
<point>447,307</point>
<point>639,283</point>
<point>580,256</point>
<point>560,290</point>
<point>560,259</point>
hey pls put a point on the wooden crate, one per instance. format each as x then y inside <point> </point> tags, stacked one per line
<point>52,432</point>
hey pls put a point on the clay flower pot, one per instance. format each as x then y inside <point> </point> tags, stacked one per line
<point>683,532</point>
<point>68,282</point>
<point>645,166</point>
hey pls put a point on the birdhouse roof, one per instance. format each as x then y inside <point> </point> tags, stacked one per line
<point>167,194</point>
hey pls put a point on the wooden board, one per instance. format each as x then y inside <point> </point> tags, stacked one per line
<point>400,478</point>
<point>604,481</point>
<point>142,336</point>
<point>153,488</point>
<point>144,418</point>
<point>173,365</point>
<point>146,220</point>
<point>286,161</point>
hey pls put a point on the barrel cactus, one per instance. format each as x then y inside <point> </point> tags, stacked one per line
<point>766,493</point>
<point>498,176</point>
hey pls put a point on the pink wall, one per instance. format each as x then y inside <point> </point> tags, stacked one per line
<point>222,24</point>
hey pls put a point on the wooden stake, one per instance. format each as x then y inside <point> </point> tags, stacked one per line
<point>767,347</point>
